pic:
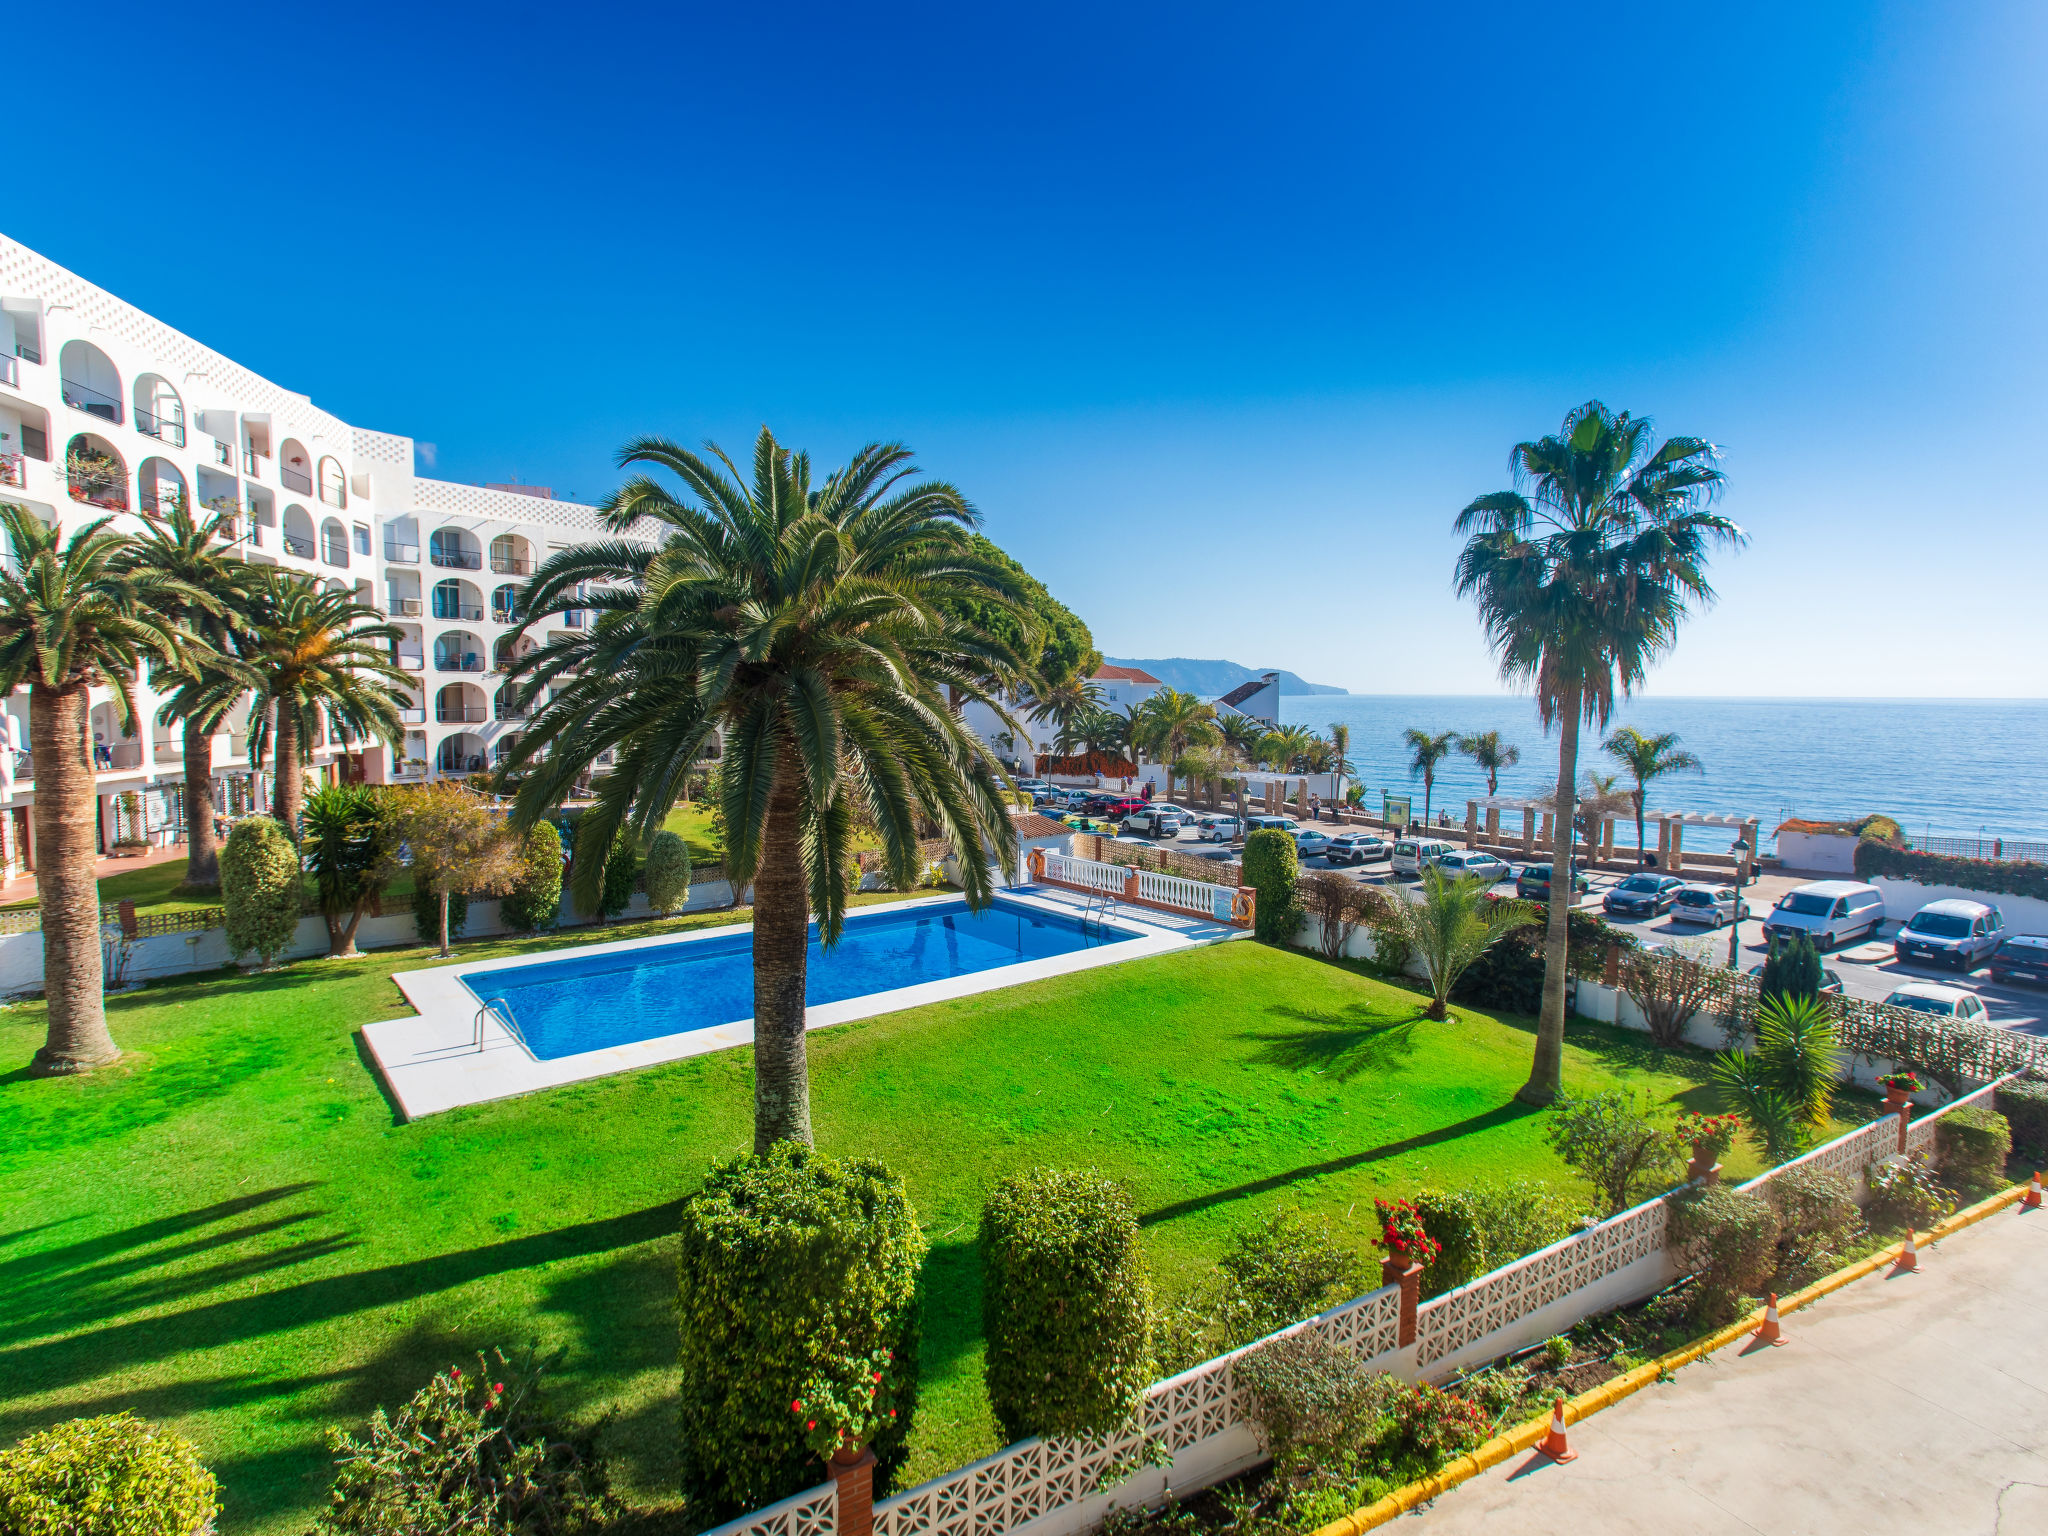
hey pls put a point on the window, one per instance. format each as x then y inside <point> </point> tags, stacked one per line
<point>362,539</point>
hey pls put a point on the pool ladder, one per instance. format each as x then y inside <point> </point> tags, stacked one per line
<point>497,1008</point>
<point>1101,907</point>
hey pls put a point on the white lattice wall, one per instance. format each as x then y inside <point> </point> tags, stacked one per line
<point>451,500</point>
<point>814,1512</point>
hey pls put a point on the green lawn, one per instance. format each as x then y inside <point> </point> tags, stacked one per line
<point>692,823</point>
<point>229,1232</point>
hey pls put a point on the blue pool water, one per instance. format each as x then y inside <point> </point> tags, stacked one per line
<point>594,1001</point>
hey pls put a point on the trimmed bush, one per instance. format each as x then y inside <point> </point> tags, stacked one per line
<point>1818,1222</point>
<point>469,1453</point>
<point>534,904</point>
<point>426,915</point>
<point>1906,1193</point>
<point>1272,865</point>
<point>668,873</point>
<point>1477,1230</point>
<point>1065,1304</point>
<point>1971,1146</point>
<point>799,1314</point>
<point>1729,1240</point>
<point>112,1476</point>
<point>260,888</point>
<point>1791,969</point>
<point>2024,1103</point>
<point>1999,877</point>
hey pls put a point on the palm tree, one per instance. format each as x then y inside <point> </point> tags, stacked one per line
<point>1646,758</point>
<point>1066,704</point>
<point>1285,746</point>
<point>1488,751</point>
<point>1340,752</point>
<point>320,659</point>
<point>1453,925</point>
<point>1426,751</point>
<point>806,624</point>
<point>179,547</point>
<point>1580,585</point>
<point>1242,734</point>
<point>75,613</point>
<point>1170,722</point>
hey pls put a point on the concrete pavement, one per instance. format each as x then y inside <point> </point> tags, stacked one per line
<point>1909,1404</point>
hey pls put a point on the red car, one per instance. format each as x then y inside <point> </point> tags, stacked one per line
<point>1130,805</point>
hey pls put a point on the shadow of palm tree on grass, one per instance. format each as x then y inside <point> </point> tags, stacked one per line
<point>1337,1043</point>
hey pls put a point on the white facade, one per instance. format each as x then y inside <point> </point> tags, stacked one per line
<point>1123,690</point>
<point>311,493</point>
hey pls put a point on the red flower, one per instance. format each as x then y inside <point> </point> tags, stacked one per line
<point>797,1406</point>
<point>456,1372</point>
<point>811,1424</point>
<point>878,1375</point>
<point>497,1386</point>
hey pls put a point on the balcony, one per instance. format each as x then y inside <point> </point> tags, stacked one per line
<point>401,554</point>
<point>112,498</point>
<point>254,463</point>
<point>471,613</point>
<point>13,469</point>
<point>411,771</point>
<point>459,714</point>
<point>169,750</point>
<point>335,552</point>
<point>445,662</point>
<point>511,565</point>
<point>122,754</point>
<point>458,559</point>
<point>218,452</point>
<point>411,661</point>
<point>10,373</point>
<point>296,480</point>
<point>509,711</point>
<point>164,431</point>
<point>91,401</point>
<point>573,618</point>
<point>504,613</point>
<point>24,765</point>
<point>334,495</point>
<point>294,545</point>
<point>402,607</point>
<point>415,715</point>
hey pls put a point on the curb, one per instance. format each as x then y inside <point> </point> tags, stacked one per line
<point>1524,1437</point>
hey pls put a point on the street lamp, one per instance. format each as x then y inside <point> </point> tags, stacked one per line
<point>1741,850</point>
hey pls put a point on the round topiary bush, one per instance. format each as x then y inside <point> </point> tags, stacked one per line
<point>668,873</point>
<point>426,915</point>
<point>799,1313</point>
<point>260,888</point>
<point>2024,1103</point>
<point>112,1476</point>
<point>1272,865</point>
<point>534,903</point>
<point>1065,1304</point>
<point>1971,1146</point>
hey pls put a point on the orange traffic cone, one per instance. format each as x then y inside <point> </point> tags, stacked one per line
<point>2031,1200</point>
<point>1909,1256</point>
<point>1770,1333</point>
<point>1553,1444</point>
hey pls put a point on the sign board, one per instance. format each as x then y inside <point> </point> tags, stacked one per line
<point>1395,810</point>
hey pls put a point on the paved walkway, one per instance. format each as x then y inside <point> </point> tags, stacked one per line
<point>1909,1404</point>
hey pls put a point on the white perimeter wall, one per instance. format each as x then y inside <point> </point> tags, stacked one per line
<point>1902,898</point>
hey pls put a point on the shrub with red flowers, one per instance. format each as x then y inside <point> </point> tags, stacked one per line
<point>1904,1082</point>
<point>1714,1132</point>
<point>1402,1233</point>
<point>1435,1425</point>
<point>855,1400</point>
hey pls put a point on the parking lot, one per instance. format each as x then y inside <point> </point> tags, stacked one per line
<point>1867,970</point>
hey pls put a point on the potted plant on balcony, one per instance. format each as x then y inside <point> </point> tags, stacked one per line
<point>1899,1088</point>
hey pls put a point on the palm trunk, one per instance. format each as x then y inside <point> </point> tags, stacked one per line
<point>782,1087</point>
<point>1638,798</point>
<point>73,977</point>
<point>202,854</point>
<point>290,800</point>
<point>1546,1071</point>
<point>444,925</point>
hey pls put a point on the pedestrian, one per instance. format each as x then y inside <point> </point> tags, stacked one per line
<point>102,755</point>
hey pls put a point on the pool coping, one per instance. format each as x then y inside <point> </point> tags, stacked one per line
<point>431,1063</point>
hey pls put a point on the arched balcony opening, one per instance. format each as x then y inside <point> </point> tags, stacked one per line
<point>505,604</point>
<point>506,706</point>
<point>95,472</point>
<point>457,650</point>
<point>333,482</point>
<point>334,543</point>
<point>511,555</point>
<point>160,488</point>
<point>295,466</point>
<point>159,412</point>
<point>501,749</point>
<point>90,381</point>
<point>510,649</point>
<point>298,531</point>
<point>455,549</point>
<point>455,598</point>
<point>461,753</point>
<point>112,746</point>
<point>460,704</point>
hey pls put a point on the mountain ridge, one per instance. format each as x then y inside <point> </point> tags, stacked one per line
<point>1212,679</point>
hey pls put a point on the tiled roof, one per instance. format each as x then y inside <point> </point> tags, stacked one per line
<point>1108,674</point>
<point>1030,824</point>
<point>1243,691</point>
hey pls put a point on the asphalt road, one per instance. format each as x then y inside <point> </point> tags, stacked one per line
<point>1867,969</point>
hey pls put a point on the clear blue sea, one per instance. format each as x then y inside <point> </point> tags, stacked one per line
<point>1939,766</point>
<point>595,1001</point>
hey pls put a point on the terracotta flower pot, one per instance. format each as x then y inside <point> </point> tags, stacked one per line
<point>1896,1099</point>
<point>1705,1166</point>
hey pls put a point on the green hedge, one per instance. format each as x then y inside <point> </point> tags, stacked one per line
<point>1065,1304</point>
<point>798,1285</point>
<point>112,1476</point>
<point>668,874</point>
<point>426,915</point>
<point>534,904</point>
<point>1971,1146</point>
<point>260,890</point>
<point>1992,876</point>
<point>1272,865</point>
<point>2024,1103</point>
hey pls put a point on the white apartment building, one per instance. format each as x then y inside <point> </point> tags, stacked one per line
<point>104,409</point>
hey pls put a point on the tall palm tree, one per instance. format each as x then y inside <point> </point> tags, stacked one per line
<point>320,659</point>
<point>1488,751</point>
<point>1242,733</point>
<point>200,555</point>
<point>1340,751</point>
<point>1170,722</point>
<point>808,624</point>
<point>1066,703</point>
<point>1581,583</point>
<point>1425,751</point>
<point>1646,758</point>
<point>75,613</point>
<point>1286,746</point>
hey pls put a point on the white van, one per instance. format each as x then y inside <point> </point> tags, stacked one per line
<point>1828,912</point>
<point>1411,853</point>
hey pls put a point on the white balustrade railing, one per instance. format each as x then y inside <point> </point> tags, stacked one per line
<point>1110,879</point>
<point>1178,891</point>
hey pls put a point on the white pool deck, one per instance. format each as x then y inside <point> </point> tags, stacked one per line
<point>433,1062</point>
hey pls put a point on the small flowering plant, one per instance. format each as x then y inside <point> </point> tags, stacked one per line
<point>1903,1082</point>
<point>1402,1233</point>
<point>1714,1134</point>
<point>849,1402</point>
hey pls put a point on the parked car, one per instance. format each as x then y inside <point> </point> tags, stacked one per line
<point>1460,865</point>
<point>1033,786</point>
<point>1356,848</point>
<point>1641,896</point>
<point>2022,957</point>
<point>1830,981</point>
<point>1963,934</point>
<point>1943,1002</point>
<point>1411,853</point>
<point>1708,905</point>
<point>1153,821</point>
<point>1828,912</point>
<point>1533,883</point>
<point>1309,843</point>
<point>1129,805</point>
<point>1218,829</point>
<point>1271,824</point>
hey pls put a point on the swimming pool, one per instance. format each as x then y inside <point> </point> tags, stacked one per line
<point>564,1007</point>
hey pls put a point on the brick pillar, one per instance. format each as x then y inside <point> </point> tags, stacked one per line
<point>1610,972</point>
<point>1130,885</point>
<point>1528,833</point>
<point>1409,1277</point>
<point>127,911</point>
<point>853,1469</point>
<point>1905,1120</point>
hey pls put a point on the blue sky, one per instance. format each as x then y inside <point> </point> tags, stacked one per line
<point>1218,313</point>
